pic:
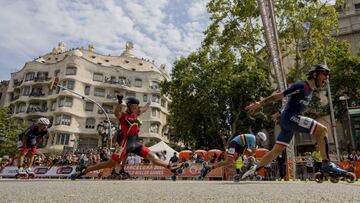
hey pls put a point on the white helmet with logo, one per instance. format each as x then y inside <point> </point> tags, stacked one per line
<point>261,136</point>
<point>43,121</point>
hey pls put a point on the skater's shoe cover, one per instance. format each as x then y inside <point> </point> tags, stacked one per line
<point>331,167</point>
<point>21,171</point>
<point>30,171</point>
<point>250,172</point>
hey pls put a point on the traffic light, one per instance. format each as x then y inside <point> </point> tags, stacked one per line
<point>54,83</point>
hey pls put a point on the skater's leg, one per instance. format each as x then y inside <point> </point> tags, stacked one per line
<point>270,156</point>
<point>151,156</point>
<point>321,138</point>
<point>107,164</point>
<point>31,159</point>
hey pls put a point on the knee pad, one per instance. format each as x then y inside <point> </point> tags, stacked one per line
<point>33,150</point>
<point>24,151</point>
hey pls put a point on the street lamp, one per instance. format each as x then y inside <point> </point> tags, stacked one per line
<point>346,98</point>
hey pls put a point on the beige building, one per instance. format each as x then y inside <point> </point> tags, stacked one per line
<point>349,24</point>
<point>99,77</point>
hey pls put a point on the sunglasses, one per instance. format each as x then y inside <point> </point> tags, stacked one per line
<point>325,73</point>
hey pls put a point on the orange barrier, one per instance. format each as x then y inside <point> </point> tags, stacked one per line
<point>203,153</point>
<point>185,154</point>
<point>353,166</point>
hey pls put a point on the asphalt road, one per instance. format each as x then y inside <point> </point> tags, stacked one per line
<point>180,191</point>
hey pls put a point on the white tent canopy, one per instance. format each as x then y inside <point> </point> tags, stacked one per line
<point>162,146</point>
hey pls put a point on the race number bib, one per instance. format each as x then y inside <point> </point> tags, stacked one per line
<point>305,122</point>
<point>231,150</point>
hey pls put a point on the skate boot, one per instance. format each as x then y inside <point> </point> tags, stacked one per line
<point>332,168</point>
<point>124,175</point>
<point>250,172</point>
<point>21,171</point>
<point>204,172</point>
<point>80,170</point>
<point>30,172</point>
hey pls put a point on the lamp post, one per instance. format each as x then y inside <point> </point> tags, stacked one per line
<point>346,98</point>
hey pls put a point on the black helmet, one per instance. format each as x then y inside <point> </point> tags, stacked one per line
<point>317,69</point>
<point>132,100</point>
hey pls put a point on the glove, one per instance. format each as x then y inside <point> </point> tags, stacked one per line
<point>119,98</point>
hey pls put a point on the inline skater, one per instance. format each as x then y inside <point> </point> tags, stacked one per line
<point>240,145</point>
<point>27,144</point>
<point>129,123</point>
<point>291,121</point>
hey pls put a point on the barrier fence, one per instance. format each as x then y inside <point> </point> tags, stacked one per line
<point>270,172</point>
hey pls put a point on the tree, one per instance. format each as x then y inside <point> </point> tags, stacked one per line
<point>211,87</point>
<point>11,128</point>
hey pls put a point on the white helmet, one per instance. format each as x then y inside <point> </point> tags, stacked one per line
<point>43,121</point>
<point>262,136</point>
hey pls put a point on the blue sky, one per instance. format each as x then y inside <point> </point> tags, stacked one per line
<point>161,30</point>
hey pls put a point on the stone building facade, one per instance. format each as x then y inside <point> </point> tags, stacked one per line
<point>99,77</point>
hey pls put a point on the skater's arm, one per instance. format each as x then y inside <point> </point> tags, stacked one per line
<point>145,108</point>
<point>118,107</point>
<point>270,99</point>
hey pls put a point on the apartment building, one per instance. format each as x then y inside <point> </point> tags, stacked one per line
<point>99,77</point>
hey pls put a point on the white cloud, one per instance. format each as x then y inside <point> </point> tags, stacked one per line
<point>32,28</point>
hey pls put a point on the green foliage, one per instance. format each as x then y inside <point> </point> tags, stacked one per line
<point>345,80</point>
<point>211,87</point>
<point>11,128</point>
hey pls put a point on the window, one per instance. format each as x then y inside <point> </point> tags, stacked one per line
<point>155,112</point>
<point>57,73</point>
<point>62,139</point>
<point>63,120</point>
<point>70,84</point>
<point>163,102</point>
<point>138,83</point>
<point>108,109</point>
<point>26,91</point>
<point>155,98</point>
<point>98,77</point>
<point>357,6</point>
<point>70,71</point>
<point>122,80</point>
<point>87,90</point>
<point>53,106</point>
<point>154,127</point>
<point>130,94</point>
<point>155,85</point>
<point>99,92</point>
<point>65,101</point>
<point>89,106</point>
<point>21,108</point>
<point>145,98</point>
<point>90,123</point>
<point>29,76</point>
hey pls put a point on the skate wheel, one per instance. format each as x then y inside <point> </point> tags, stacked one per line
<point>173,178</point>
<point>334,179</point>
<point>350,177</point>
<point>180,171</point>
<point>237,178</point>
<point>319,177</point>
<point>204,164</point>
<point>258,177</point>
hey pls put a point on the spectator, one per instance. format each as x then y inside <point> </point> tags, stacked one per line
<point>174,158</point>
<point>309,165</point>
<point>213,159</point>
<point>193,157</point>
<point>200,158</point>
<point>352,156</point>
<point>358,156</point>
<point>317,158</point>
